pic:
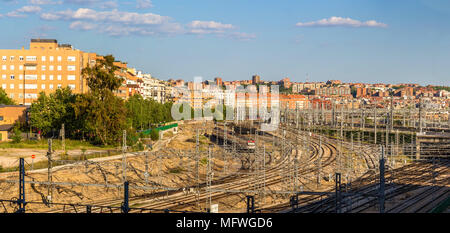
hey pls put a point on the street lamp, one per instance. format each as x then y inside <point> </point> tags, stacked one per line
<point>24,69</point>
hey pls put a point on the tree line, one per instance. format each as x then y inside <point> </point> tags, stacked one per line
<point>98,115</point>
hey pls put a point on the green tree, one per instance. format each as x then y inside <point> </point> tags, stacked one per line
<point>142,113</point>
<point>103,114</point>
<point>4,99</point>
<point>103,117</point>
<point>50,112</point>
<point>40,113</point>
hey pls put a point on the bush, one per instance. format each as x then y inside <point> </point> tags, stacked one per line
<point>154,135</point>
<point>17,135</point>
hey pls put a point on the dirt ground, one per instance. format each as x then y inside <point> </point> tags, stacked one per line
<point>9,157</point>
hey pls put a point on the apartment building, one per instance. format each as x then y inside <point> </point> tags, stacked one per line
<point>44,67</point>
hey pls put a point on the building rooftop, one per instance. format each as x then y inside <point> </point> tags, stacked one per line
<point>44,41</point>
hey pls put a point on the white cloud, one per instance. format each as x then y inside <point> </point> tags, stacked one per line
<point>114,16</point>
<point>15,14</point>
<point>81,2</point>
<point>44,2</point>
<point>341,22</point>
<point>80,25</point>
<point>144,4</point>
<point>29,9</point>
<point>116,23</point>
<point>121,23</point>
<point>21,12</point>
<point>208,27</point>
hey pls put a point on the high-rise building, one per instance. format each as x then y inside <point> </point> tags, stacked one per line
<point>256,79</point>
<point>44,67</point>
<point>219,81</point>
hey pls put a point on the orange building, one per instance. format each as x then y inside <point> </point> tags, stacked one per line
<point>10,114</point>
<point>293,101</point>
<point>45,66</point>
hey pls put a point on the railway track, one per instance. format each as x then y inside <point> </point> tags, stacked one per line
<point>232,184</point>
<point>408,179</point>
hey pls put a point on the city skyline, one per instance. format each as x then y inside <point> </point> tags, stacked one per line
<point>369,42</point>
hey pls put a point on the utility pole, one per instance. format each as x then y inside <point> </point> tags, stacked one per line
<point>375,123</point>
<point>209,178</point>
<point>21,201</point>
<point>319,163</point>
<point>387,135</point>
<point>124,158</point>
<point>392,114</point>
<point>146,174</point>
<point>382,182</point>
<point>420,117</point>
<point>338,193</point>
<point>63,138</point>
<point>49,172</point>
<point>197,160</point>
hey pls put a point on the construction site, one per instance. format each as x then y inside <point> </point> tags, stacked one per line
<point>317,161</point>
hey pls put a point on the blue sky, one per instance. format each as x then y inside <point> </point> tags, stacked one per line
<point>351,40</point>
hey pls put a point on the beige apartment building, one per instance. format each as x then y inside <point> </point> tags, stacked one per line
<point>45,66</point>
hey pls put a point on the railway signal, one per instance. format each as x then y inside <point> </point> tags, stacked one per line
<point>32,161</point>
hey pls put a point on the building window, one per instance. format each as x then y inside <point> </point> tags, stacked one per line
<point>11,96</point>
<point>30,96</point>
<point>11,67</point>
<point>59,58</point>
<point>70,77</point>
<point>31,86</point>
<point>31,77</point>
<point>31,58</point>
<point>12,77</point>
<point>4,58</point>
<point>50,67</point>
<point>3,76</point>
<point>51,58</point>
<point>11,58</point>
<point>43,77</point>
<point>20,86</point>
<point>43,86</point>
<point>21,58</point>
<point>71,58</point>
<point>50,86</point>
<point>1,118</point>
<point>21,76</point>
<point>51,77</point>
<point>59,77</point>
<point>11,86</point>
<point>30,67</point>
<point>71,68</point>
<point>4,86</point>
<point>72,86</point>
<point>59,67</point>
<point>59,86</point>
<point>3,67</point>
<point>43,58</point>
<point>21,67</point>
<point>43,67</point>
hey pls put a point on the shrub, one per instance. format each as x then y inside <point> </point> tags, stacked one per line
<point>154,135</point>
<point>17,135</point>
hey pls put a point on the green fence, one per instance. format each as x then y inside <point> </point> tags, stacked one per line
<point>162,128</point>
